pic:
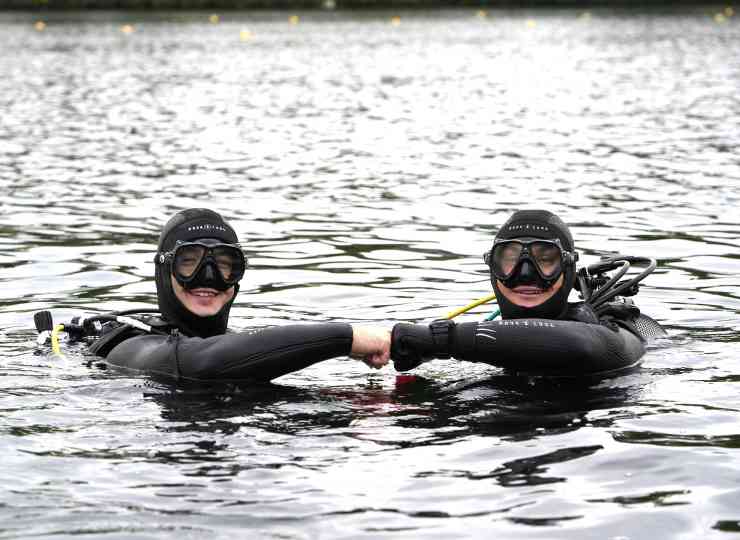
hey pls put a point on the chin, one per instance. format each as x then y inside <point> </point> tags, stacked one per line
<point>201,312</point>
<point>529,301</point>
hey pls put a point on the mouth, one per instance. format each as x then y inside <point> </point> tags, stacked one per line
<point>528,290</point>
<point>203,293</point>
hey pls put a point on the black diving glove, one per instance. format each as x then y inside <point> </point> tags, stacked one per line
<point>414,344</point>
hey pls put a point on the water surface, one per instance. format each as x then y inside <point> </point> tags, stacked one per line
<point>366,163</point>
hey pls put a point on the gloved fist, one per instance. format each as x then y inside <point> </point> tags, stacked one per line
<point>410,345</point>
<point>414,344</point>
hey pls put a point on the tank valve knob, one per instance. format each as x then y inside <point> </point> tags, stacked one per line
<point>43,321</point>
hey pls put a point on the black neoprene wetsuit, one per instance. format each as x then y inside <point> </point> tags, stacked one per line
<point>539,346</point>
<point>256,355</point>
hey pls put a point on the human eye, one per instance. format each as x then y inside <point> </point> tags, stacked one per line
<point>225,264</point>
<point>187,259</point>
<point>511,252</point>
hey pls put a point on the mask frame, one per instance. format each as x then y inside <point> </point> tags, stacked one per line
<point>567,259</point>
<point>208,258</point>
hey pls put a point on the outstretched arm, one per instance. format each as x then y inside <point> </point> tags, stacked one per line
<point>525,345</point>
<point>255,355</point>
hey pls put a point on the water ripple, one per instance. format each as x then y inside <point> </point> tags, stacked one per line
<point>366,163</point>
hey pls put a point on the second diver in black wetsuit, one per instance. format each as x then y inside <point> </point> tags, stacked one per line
<point>533,270</point>
<point>198,268</point>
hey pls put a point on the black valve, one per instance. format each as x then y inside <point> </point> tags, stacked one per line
<point>43,321</point>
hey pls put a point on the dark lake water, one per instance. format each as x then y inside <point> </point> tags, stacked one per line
<point>366,163</point>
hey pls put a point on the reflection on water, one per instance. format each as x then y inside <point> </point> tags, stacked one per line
<point>366,165</point>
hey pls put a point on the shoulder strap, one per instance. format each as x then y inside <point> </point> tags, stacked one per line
<point>625,314</point>
<point>116,335</point>
<point>623,309</point>
<point>581,312</point>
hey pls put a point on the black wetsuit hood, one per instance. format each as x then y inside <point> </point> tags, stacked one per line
<point>189,225</point>
<point>546,225</point>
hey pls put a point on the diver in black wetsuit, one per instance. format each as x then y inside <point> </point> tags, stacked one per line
<point>533,269</point>
<point>199,264</point>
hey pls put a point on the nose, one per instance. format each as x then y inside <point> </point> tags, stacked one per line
<point>527,273</point>
<point>209,272</point>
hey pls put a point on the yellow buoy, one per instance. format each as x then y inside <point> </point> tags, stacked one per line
<point>127,29</point>
<point>214,19</point>
<point>245,35</point>
<point>294,19</point>
<point>396,21</point>
<point>40,26</point>
<point>531,23</point>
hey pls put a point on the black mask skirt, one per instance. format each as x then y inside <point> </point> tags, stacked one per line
<point>187,226</point>
<point>545,225</point>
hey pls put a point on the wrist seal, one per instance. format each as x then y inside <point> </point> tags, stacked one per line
<point>441,330</point>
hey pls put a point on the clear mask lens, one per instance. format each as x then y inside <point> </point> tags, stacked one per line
<point>227,260</point>
<point>546,256</point>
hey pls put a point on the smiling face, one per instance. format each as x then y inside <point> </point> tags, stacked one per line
<point>530,295</point>
<point>533,281</point>
<point>202,301</point>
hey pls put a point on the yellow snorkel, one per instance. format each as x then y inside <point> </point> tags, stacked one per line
<point>49,331</point>
<point>55,348</point>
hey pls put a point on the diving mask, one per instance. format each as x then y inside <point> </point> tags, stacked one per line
<point>547,257</point>
<point>206,263</point>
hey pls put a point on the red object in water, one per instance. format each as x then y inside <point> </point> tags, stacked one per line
<point>405,379</point>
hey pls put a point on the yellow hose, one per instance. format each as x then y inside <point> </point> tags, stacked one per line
<point>55,339</point>
<point>453,314</point>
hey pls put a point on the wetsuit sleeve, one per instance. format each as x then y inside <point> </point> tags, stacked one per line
<point>539,346</point>
<point>255,355</point>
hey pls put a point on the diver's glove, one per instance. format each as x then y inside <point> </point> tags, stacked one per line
<point>414,344</point>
